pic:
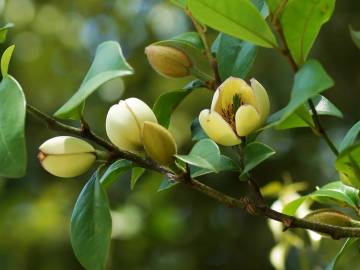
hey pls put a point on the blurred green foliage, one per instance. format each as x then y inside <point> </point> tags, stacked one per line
<point>175,229</point>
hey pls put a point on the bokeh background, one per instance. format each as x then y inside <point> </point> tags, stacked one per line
<point>177,229</point>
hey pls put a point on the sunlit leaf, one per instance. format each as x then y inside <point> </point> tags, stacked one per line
<point>323,106</point>
<point>301,21</point>
<point>5,60</point>
<point>224,17</point>
<point>348,164</point>
<point>4,30</point>
<point>355,35</point>
<point>109,63</point>
<point>292,207</point>
<point>91,226</point>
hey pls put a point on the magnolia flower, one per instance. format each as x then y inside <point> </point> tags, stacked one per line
<point>237,109</point>
<point>125,121</point>
<point>66,156</point>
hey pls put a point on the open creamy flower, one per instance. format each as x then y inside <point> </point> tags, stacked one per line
<point>237,109</point>
<point>66,156</point>
<point>125,121</point>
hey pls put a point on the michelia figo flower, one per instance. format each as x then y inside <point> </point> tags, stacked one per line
<point>66,156</point>
<point>168,61</point>
<point>159,143</point>
<point>237,109</point>
<point>124,123</point>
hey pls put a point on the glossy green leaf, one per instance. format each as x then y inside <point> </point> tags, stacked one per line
<point>262,6</point>
<point>114,171</point>
<point>5,60</point>
<point>166,104</point>
<point>4,30</point>
<point>209,150</point>
<point>234,57</point>
<point>323,106</point>
<point>301,21</point>
<point>339,192</point>
<point>350,137</point>
<point>355,35</point>
<point>197,133</point>
<point>109,63</point>
<point>136,173</point>
<point>190,44</point>
<point>13,157</point>
<point>196,161</point>
<point>301,117</point>
<point>224,17</point>
<point>347,245</point>
<point>310,80</point>
<point>91,226</point>
<point>274,5</point>
<point>254,154</point>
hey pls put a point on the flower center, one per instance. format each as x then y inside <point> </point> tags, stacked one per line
<point>228,113</point>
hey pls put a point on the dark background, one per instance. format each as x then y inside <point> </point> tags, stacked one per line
<point>177,229</point>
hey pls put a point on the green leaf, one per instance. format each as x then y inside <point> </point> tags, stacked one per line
<point>13,157</point>
<point>191,44</point>
<point>262,7</point>
<point>355,35</point>
<point>254,154</point>
<point>209,150</point>
<point>205,157</point>
<point>197,133</point>
<point>224,17</point>
<point>348,163</point>
<point>347,245</point>
<point>180,3</point>
<point>350,137</point>
<point>166,104</point>
<point>234,57</point>
<point>109,63</point>
<point>274,5</point>
<point>301,117</point>
<point>310,80</point>
<point>91,226</point>
<point>323,106</point>
<point>301,22</point>
<point>114,171</point>
<point>5,60</point>
<point>166,184</point>
<point>291,207</point>
<point>4,30</point>
<point>136,173</point>
<point>339,192</point>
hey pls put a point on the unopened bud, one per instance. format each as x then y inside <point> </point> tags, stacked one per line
<point>168,61</point>
<point>159,144</point>
<point>66,156</point>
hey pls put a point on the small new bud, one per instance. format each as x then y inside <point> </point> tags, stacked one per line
<point>168,61</point>
<point>330,217</point>
<point>159,144</point>
<point>66,156</point>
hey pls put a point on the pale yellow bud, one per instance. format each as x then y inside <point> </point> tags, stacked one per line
<point>159,144</point>
<point>66,156</point>
<point>168,61</point>
<point>124,123</point>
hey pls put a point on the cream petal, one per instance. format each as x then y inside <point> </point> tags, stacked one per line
<point>141,111</point>
<point>247,119</point>
<point>262,99</point>
<point>69,165</point>
<point>122,128</point>
<point>217,128</point>
<point>65,145</point>
<point>215,104</point>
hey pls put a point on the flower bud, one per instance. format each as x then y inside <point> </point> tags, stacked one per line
<point>330,217</point>
<point>124,123</point>
<point>159,144</point>
<point>168,61</point>
<point>66,156</point>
